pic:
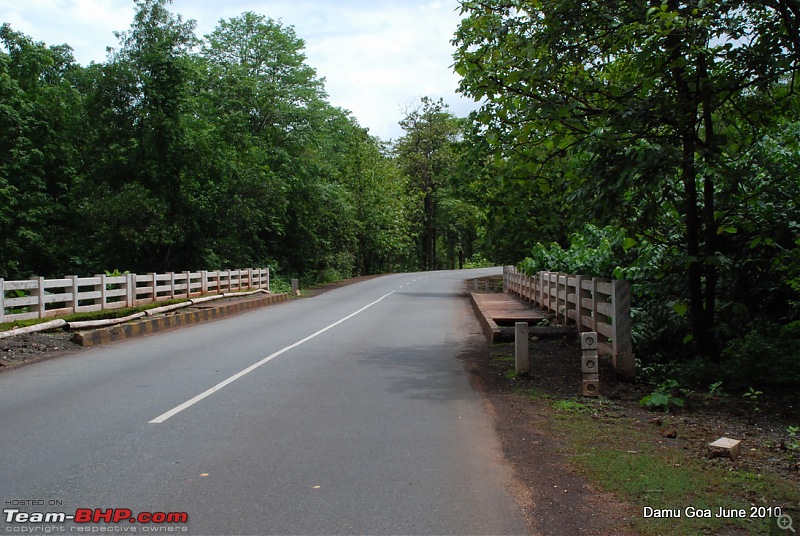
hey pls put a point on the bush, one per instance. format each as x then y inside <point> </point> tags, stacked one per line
<point>478,261</point>
<point>599,252</point>
<point>767,355</point>
<point>658,314</point>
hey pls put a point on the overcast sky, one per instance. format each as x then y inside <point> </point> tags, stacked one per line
<point>376,55</point>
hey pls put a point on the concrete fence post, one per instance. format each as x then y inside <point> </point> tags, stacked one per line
<point>135,280</point>
<point>103,291</point>
<point>624,360</point>
<point>40,295</point>
<point>594,304</point>
<point>521,359</point>
<point>578,304</point>
<point>546,290</point>
<point>130,290</point>
<point>562,289</point>
<point>540,299</point>
<point>2,299</point>
<point>528,282</point>
<point>73,289</point>
<point>154,281</point>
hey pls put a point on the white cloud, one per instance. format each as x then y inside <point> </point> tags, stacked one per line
<point>376,55</point>
<point>86,25</point>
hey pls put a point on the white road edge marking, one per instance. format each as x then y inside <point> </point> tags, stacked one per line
<point>174,411</point>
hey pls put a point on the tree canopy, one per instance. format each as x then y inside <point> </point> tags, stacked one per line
<point>653,118</point>
<point>181,152</point>
<point>654,141</point>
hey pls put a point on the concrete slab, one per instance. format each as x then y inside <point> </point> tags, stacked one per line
<point>506,309</point>
<point>494,309</point>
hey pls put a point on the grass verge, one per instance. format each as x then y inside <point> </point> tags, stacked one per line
<point>623,455</point>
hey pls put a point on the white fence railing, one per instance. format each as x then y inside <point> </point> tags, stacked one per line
<point>593,304</point>
<point>45,298</point>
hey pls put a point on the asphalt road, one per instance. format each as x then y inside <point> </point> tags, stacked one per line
<point>346,413</point>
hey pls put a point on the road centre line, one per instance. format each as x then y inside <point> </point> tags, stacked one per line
<point>174,411</point>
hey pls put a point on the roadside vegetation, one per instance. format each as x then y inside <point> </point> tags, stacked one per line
<point>628,455</point>
<point>653,141</point>
<point>656,142</point>
<point>182,152</point>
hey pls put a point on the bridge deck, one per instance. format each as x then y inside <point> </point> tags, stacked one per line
<point>506,309</point>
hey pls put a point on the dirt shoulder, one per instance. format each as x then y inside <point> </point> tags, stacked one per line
<point>34,347</point>
<point>551,436</point>
<point>554,498</point>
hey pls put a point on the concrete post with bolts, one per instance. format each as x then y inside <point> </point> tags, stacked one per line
<point>590,364</point>
<point>521,360</point>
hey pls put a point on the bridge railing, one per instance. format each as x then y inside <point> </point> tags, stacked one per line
<point>45,298</point>
<point>591,303</point>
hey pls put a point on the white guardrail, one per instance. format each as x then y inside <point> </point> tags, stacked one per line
<point>593,304</point>
<point>45,298</point>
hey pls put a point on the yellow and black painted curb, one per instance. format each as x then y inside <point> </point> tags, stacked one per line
<point>162,323</point>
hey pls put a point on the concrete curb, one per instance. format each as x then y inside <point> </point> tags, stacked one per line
<point>163,323</point>
<point>490,329</point>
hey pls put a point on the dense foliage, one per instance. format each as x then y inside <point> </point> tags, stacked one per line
<point>184,153</point>
<point>653,141</point>
<point>675,121</point>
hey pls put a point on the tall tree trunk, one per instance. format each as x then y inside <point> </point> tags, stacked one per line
<point>695,273</point>
<point>429,235</point>
<point>710,346</point>
<point>700,224</point>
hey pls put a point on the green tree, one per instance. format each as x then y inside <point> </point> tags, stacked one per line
<point>426,154</point>
<point>378,194</point>
<point>172,156</point>
<point>271,109</point>
<point>642,101</point>
<point>37,159</point>
<point>264,87</point>
<point>137,110</point>
<point>513,212</point>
